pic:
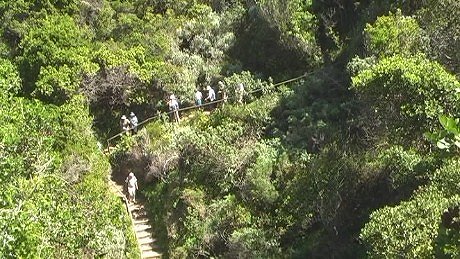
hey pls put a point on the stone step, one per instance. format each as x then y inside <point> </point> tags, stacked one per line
<point>142,227</point>
<point>135,206</point>
<point>141,220</point>
<point>143,234</point>
<point>150,254</point>
<point>148,247</point>
<point>146,240</point>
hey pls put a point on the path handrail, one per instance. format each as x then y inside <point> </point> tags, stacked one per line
<point>206,104</point>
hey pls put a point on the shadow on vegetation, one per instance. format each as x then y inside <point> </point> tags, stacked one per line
<point>260,49</point>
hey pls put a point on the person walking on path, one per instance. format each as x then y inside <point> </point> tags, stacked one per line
<point>131,182</point>
<point>174,108</point>
<point>134,121</point>
<point>211,96</point>
<point>125,124</point>
<point>239,92</point>
<point>198,97</point>
<point>222,92</point>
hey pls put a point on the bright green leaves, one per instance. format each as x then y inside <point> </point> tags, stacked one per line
<point>413,228</point>
<point>447,138</point>
<point>409,92</point>
<point>55,53</point>
<point>408,229</point>
<point>15,15</point>
<point>394,34</point>
<point>408,95</point>
<point>257,186</point>
<point>53,194</point>
<point>111,55</point>
<point>10,82</point>
<point>304,22</point>
<point>449,124</point>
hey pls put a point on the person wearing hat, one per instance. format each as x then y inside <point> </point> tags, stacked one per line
<point>134,121</point>
<point>131,182</point>
<point>125,124</point>
<point>174,107</point>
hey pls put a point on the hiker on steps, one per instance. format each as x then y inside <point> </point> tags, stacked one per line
<point>131,182</point>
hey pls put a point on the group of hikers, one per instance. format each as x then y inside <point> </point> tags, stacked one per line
<point>173,104</point>
<point>129,125</point>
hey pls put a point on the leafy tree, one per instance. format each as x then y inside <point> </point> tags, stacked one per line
<point>440,21</point>
<point>407,229</point>
<point>296,21</point>
<point>408,93</point>
<point>394,34</point>
<point>54,55</point>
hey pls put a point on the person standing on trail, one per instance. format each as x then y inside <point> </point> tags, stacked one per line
<point>174,108</point>
<point>222,92</point>
<point>211,96</point>
<point>198,97</point>
<point>134,122</point>
<point>125,124</point>
<point>131,182</point>
<point>239,92</point>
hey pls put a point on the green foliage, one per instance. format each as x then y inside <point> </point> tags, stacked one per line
<point>54,54</point>
<point>289,173</point>
<point>53,211</point>
<point>250,83</point>
<point>414,227</point>
<point>446,178</point>
<point>10,82</point>
<point>296,22</point>
<point>447,138</point>
<point>408,93</point>
<point>402,167</point>
<point>408,229</point>
<point>394,34</point>
<point>439,18</point>
<point>55,199</point>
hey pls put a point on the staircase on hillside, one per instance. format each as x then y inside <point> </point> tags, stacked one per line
<point>141,225</point>
<point>144,231</point>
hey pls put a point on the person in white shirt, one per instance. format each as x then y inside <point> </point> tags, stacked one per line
<point>134,121</point>
<point>131,182</point>
<point>174,107</point>
<point>198,97</point>
<point>211,94</point>
<point>125,124</point>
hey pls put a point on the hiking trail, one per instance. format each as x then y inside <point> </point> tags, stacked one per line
<point>144,231</point>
